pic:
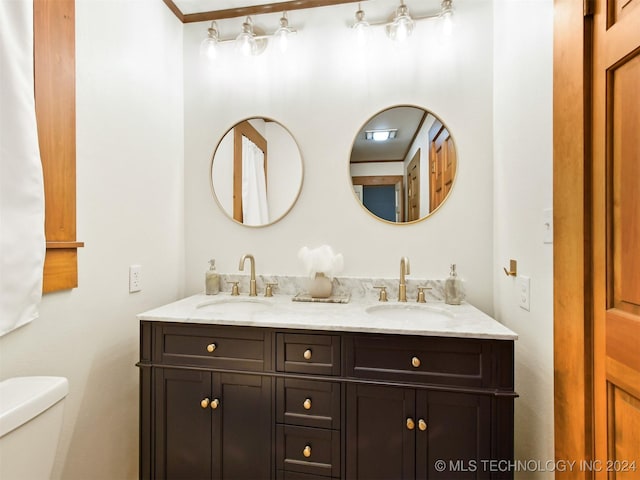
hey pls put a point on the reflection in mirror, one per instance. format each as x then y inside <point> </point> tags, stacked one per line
<point>256,172</point>
<point>403,164</point>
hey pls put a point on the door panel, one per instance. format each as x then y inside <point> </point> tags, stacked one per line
<point>183,426</point>
<point>379,444</point>
<point>616,234</point>
<point>242,427</point>
<point>446,415</point>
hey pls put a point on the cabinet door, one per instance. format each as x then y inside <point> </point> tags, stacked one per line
<point>183,425</point>
<point>380,445</point>
<point>242,421</point>
<point>454,428</point>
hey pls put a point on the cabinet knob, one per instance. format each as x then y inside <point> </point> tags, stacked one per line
<point>211,347</point>
<point>422,425</point>
<point>415,362</point>
<point>215,403</point>
<point>307,451</point>
<point>410,424</point>
<point>204,403</point>
<point>307,354</point>
<point>307,404</point>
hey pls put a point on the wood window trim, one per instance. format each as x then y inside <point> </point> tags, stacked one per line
<point>55,99</point>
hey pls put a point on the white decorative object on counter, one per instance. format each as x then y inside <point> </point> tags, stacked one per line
<point>322,264</point>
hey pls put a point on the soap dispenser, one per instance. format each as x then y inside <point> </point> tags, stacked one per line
<point>212,279</point>
<point>453,290</point>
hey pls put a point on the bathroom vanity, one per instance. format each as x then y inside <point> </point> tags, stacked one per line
<point>240,388</point>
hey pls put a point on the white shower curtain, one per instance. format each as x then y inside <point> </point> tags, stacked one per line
<point>255,209</point>
<point>22,241</point>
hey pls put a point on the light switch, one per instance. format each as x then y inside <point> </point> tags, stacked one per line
<point>524,292</point>
<point>547,225</point>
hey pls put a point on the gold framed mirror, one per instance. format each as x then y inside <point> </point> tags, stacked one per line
<point>403,164</point>
<point>256,172</point>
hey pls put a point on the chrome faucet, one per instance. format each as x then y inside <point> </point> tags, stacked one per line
<point>252,282</point>
<point>404,270</point>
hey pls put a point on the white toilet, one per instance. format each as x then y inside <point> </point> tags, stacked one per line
<point>31,411</point>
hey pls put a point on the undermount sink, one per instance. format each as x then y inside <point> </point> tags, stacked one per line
<point>399,311</point>
<point>237,305</point>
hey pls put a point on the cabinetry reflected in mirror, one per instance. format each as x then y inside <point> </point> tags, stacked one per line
<point>256,172</point>
<point>403,164</point>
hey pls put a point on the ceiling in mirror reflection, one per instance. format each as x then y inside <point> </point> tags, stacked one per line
<point>409,175</point>
<point>405,120</point>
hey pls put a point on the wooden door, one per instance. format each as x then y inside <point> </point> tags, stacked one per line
<point>456,431</point>
<point>413,188</point>
<point>616,236</point>
<point>241,427</point>
<point>442,162</point>
<point>379,444</point>
<point>597,236</point>
<point>183,424</point>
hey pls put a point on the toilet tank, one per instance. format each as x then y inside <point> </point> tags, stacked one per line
<point>31,410</point>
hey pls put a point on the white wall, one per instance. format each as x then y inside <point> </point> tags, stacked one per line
<point>323,91</point>
<point>130,210</point>
<point>523,59</point>
<point>131,207</point>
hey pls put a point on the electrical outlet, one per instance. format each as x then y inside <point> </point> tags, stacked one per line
<point>135,280</point>
<point>524,292</point>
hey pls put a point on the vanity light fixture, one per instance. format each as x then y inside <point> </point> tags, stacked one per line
<point>446,17</point>
<point>250,41</point>
<point>282,34</point>
<point>246,41</point>
<point>401,26</point>
<point>381,135</point>
<point>361,26</point>
<point>209,46</point>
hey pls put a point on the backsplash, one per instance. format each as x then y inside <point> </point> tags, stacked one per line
<point>359,289</point>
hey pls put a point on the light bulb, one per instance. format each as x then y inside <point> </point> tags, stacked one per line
<point>361,28</point>
<point>209,46</point>
<point>446,17</point>
<point>281,35</point>
<point>245,42</point>
<point>402,26</point>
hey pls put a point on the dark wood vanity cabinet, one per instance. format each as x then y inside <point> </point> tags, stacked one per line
<point>260,403</point>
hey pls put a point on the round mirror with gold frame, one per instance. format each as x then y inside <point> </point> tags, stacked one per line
<point>403,164</point>
<point>256,172</point>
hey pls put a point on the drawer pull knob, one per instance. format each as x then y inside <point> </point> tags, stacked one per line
<point>307,451</point>
<point>307,354</point>
<point>211,347</point>
<point>307,404</point>
<point>204,403</point>
<point>215,403</point>
<point>415,362</point>
<point>410,424</point>
<point>422,425</point>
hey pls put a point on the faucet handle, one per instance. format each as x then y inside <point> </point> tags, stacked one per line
<point>383,293</point>
<point>421,297</point>
<point>268,289</point>
<point>235,290</point>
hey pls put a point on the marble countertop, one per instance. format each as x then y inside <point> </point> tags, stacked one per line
<point>279,311</point>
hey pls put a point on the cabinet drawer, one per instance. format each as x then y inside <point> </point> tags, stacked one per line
<point>314,354</point>
<point>308,403</point>
<point>312,451</point>
<point>211,346</point>
<point>433,360</point>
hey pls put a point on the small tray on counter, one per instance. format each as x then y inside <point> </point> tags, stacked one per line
<point>305,297</point>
